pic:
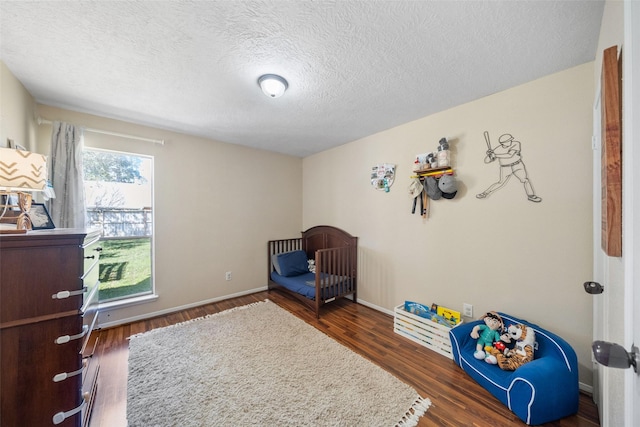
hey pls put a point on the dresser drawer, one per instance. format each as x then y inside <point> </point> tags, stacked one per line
<point>91,251</point>
<point>89,388</point>
<point>91,273</point>
<point>32,268</point>
<point>52,372</point>
<point>29,285</point>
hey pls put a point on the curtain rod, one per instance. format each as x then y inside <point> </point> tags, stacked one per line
<point>42,121</point>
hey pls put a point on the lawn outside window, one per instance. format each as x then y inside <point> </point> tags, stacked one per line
<point>119,193</point>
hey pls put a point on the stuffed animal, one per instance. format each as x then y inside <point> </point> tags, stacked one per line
<point>312,265</point>
<point>525,339</point>
<point>487,334</point>
<point>502,346</point>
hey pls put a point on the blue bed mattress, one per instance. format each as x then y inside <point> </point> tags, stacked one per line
<point>304,284</point>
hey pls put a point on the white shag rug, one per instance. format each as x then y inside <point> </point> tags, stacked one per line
<point>259,365</point>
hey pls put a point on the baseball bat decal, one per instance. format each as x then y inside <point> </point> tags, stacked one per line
<point>486,139</point>
<point>490,155</point>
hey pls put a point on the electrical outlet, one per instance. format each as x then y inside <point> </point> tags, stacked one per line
<point>467,310</point>
<point>227,275</point>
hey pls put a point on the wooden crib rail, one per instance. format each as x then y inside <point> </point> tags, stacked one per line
<point>280,246</point>
<point>335,273</point>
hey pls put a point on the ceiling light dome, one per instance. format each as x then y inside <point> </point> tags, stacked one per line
<point>273,85</point>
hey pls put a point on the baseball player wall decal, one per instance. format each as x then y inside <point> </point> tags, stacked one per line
<point>509,156</point>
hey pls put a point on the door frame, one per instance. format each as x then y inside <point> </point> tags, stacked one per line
<point>630,263</point>
<point>631,204</point>
<point>600,302</point>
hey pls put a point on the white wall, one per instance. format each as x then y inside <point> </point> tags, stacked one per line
<point>216,205</point>
<point>16,111</point>
<point>502,253</point>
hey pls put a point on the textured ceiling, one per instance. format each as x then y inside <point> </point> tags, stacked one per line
<point>354,67</point>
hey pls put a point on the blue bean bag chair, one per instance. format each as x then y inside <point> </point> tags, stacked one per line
<point>538,392</point>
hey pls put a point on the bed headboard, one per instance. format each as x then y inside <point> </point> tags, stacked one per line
<point>325,237</point>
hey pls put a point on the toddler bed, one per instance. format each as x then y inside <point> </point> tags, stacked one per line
<point>334,253</point>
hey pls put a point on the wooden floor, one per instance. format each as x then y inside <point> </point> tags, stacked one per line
<point>456,399</point>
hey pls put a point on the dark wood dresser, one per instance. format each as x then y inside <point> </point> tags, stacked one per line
<point>48,307</point>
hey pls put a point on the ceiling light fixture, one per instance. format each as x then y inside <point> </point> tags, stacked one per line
<point>273,85</point>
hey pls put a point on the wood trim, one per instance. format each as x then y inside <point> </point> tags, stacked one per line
<point>611,161</point>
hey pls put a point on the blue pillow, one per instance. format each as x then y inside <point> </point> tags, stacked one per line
<point>293,263</point>
<point>276,264</point>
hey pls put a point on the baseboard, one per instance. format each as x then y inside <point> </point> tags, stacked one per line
<point>375,307</point>
<point>104,310</point>
<point>586,388</point>
<point>105,325</point>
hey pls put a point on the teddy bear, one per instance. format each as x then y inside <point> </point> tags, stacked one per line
<point>525,342</point>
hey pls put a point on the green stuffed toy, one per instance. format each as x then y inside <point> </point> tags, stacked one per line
<point>487,334</point>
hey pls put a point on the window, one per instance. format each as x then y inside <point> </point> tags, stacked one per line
<point>119,197</point>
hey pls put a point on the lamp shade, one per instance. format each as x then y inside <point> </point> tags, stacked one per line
<point>22,170</point>
<point>273,85</point>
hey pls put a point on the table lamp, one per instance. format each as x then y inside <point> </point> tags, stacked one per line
<point>21,173</point>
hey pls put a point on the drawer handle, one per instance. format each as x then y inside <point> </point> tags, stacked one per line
<point>61,416</point>
<point>64,375</point>
<point>66,338</point>
<point>67,294</point>
<point>90,257</point>
<point>98,249</point>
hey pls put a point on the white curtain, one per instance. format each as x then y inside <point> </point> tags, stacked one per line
<point>67,210</point>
